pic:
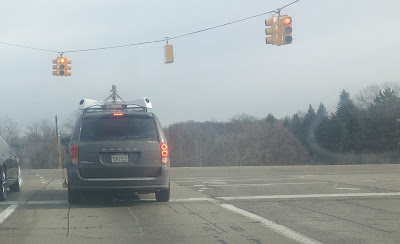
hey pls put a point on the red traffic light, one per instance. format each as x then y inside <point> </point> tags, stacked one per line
<point>287,20</point>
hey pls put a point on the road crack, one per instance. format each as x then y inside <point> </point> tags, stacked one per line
<point>203,218</point>
<point>337,217</point>
<point>134,216</point>
<point>40,189</point>
<point>368,207</point>
<point>69,210</point>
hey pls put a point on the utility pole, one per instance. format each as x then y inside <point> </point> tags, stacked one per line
<point>58,140</point>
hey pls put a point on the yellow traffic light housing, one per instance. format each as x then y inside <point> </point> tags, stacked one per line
<point>280,30</point>
<point>284,29</point>
<point>61,66</point>
<point>56,67</point>
<point>65,67</point>
<point>287,30</point>
<point>271,31</point>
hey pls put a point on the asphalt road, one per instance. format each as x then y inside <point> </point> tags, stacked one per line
<point>290,204</point>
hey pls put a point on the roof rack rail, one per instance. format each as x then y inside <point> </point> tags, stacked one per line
<point>141,104</point>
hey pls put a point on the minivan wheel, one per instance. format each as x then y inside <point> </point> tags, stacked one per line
<point>74,197</point>
<point>163,195</point>
<point>3,186</point>
<point>17,185</point>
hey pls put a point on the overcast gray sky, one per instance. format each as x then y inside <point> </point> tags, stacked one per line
<point>217,74</point>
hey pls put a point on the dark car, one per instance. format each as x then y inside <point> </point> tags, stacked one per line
<point>118,146</point>
<point>10,170</point>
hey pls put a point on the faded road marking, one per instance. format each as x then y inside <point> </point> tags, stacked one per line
<point>272,184</point>
<point>6,213</point>
<point>281,229</point>
<point>381,194</point>
<point>347,188</point>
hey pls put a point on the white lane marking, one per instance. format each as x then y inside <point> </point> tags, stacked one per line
<point>266,179</point>
<point>33,202</point>
<point>46,202</point>
<point>281,229</point>
<point>347,188</point>
<point>380,194</point>
<point>201,190</point>
<point>11,203</point>
<point>6,213</point>
<point>192,199</point>
<point>43,182</point>
<point>272,184</point>
<point>41,177</point>
<point>218,199</point>
<point>374,181</point>
<point>56,202</point>
<point>187,180</point>
<point>198,185</point>
<point>216,182</point>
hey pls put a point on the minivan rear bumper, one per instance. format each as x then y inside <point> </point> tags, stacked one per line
<point>138,184</point>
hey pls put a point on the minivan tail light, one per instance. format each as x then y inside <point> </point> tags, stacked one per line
<point>164,153</point>
<point>74,152</point>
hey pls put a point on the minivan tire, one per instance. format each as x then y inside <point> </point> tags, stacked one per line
<point>163,195</point>
<point>16,187</point>
<point>74,197</point>
<point>3,185</point>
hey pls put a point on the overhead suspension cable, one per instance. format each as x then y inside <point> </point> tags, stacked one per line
<point>155,41</point>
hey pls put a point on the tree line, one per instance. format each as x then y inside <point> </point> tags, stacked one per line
<point>244,140</point>
<point>363,129</point>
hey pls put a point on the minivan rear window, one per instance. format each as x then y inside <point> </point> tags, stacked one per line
<point>127,127</point>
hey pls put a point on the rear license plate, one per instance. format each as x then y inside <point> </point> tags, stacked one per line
<point>119,158</point>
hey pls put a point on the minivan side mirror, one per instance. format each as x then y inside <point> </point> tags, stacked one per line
<point>66,141</point>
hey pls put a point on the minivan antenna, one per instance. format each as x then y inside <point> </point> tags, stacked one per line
<point>114,94</point>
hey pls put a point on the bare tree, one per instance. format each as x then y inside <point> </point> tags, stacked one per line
<point>40,150</point>
<point>10,131</point>
<point>365,97</point>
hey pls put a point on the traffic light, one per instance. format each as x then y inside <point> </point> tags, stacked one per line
<point>56,67</point>
<point>61,66</point>
<point>284,30</point>
<point>64,67</point>
<point>270,31</point>
<point>280,30</point>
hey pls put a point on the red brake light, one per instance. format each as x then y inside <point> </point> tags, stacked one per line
<point>74,152</point>
<point>164,153</point>
<point>118,114</point>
